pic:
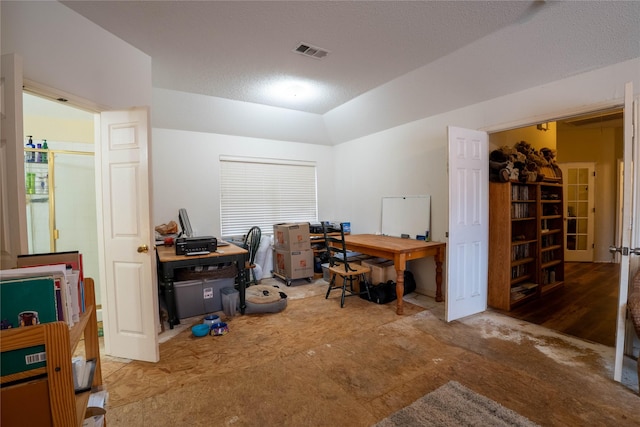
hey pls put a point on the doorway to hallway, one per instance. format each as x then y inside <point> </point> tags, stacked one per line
<point>586,307</point>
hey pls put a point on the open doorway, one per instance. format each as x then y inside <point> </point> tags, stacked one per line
<point>61,214</point>
<point>586,306</point>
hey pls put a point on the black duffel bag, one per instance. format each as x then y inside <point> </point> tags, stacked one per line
<point>383,293</point>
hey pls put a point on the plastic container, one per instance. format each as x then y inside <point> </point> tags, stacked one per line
<point>230,301</point>
<point>45,156</point>
<point>211,320</point>
<point>31,183</point>
<point>200,330</point>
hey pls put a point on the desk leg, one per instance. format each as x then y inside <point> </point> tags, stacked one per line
<point>399,291</point>
<point>438,260</point>
<point>169,298</point>
<point>242,282</point>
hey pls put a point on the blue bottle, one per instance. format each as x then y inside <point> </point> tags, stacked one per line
<point>31,155</point>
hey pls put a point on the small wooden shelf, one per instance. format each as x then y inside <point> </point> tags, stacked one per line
<point>551,287</point>
<point>53,401</point>
<point>520,279</point>
<point>522,261</point>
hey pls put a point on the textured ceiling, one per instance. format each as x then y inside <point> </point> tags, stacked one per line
<point>234,49</point>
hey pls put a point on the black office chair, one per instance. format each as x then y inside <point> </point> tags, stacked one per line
<point>340,266</point>
<point>252,243</point>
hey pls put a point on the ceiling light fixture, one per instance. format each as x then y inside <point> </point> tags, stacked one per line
<point>292,90</point>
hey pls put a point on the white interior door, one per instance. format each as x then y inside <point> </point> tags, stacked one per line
<point>578,187</point>
<point>467,249</point>
<point>128,285</point>
<point>631,190</point>
<point>13,210</point>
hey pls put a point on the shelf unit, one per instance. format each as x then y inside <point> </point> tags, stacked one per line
<point>45,396</point>
<point>513,244</point>
<point>318,245</point>
<point>551,267</point>
<point>526,252</point>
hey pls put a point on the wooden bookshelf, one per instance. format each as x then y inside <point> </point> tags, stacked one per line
<point>51,397</point>
<point>526,245</point>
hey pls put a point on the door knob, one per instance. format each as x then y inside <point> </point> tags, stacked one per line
<point>635,251</point>
<point>614,249</point>
<point>143,249</point>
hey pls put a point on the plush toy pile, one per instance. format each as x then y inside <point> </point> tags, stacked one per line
<point>522,163</point>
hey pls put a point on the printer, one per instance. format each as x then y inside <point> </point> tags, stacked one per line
<point>196,245</point>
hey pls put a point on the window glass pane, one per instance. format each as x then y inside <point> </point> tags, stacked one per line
<point>572,208</point>
<point>573,176</point>
<point>583,192</point>
<point>582,243</point>
<point>264,192</point>
<point>583,209</point>
<point>582,226</point>
<point>583,175</point>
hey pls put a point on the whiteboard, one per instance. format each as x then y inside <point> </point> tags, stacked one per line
<point>406,215</point>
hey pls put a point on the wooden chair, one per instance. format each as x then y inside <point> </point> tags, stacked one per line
<point>339,266</point>
<point>252,243</point>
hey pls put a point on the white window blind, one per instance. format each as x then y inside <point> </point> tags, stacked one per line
<point>265,192</point>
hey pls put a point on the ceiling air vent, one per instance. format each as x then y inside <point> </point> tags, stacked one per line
<point>309,50</point>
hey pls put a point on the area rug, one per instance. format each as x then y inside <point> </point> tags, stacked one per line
<point>455,405</point>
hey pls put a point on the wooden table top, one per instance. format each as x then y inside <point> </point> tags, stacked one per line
<point>168,253</point>
<point>390,243</point>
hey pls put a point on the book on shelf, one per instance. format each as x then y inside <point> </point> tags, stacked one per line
<point>25,302</point>
<point>61,286</point>
<point>73,261</point>
<point>83,371</point>
<point>94,415</point>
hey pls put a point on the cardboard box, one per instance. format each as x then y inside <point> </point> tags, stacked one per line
<point>382,270</point>
<point>291,237</point>
<point>293,264</point>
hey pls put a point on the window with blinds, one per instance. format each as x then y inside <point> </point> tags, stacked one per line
<point>265,192</point>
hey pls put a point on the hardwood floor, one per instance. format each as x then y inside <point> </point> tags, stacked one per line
<point>585,307</point>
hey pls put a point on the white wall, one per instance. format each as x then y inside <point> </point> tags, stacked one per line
<point>186,173</point>
<point>412,159</point>
<point>228,117</point>
<point>65,51</point>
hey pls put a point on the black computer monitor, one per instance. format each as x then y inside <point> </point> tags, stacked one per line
<point>185,224</point>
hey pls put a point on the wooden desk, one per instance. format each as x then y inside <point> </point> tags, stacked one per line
<point>168,262</point>
<point>400,251</point>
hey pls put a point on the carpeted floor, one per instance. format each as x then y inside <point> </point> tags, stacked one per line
<point>454,405</point>
<point>316,364</point>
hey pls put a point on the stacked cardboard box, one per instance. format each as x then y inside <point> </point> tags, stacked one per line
<point>293,256</point>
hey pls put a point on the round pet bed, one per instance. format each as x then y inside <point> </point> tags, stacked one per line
<point>264,299</point>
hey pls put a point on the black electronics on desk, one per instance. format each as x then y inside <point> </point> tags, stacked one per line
<point>196,245</point>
